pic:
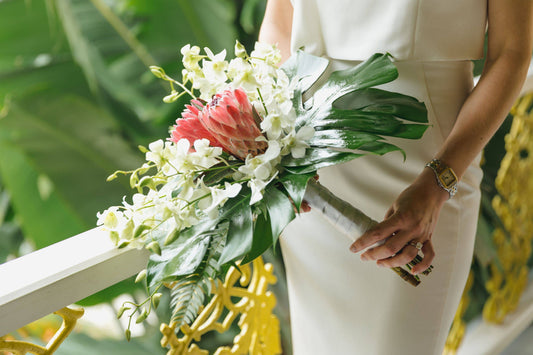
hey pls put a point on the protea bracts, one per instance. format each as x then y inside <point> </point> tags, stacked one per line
<point>190,127</point>
<point>228,121</point>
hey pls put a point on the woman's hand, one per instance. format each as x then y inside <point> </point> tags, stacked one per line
<point>411,218</point>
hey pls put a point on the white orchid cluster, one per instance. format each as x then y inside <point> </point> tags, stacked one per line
<point>176,197</point>
<point>267,86</point>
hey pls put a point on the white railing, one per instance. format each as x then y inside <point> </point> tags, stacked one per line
<point>51,278</point>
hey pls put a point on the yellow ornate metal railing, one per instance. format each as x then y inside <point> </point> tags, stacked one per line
<point>16,347</point>
<point>514,206</point>
<point>458,329</point>
<point>259,333</point>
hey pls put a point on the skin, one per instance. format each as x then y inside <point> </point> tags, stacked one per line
<point>413,215</point>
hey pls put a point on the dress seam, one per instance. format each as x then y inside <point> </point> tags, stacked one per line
<point>437,349</point>
<point>436,122</point>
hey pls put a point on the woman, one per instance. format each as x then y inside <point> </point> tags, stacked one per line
<point>339,303</point>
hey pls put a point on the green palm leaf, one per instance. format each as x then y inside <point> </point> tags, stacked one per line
<point>350,117</point>
<point>188,293</point>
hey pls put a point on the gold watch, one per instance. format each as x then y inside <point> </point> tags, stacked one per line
<point>445,175</point>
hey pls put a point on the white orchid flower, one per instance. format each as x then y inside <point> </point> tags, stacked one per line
<point>214,69</point>
<point>191,56</point>
<point>262,166</point>
<point>205,156</point>
<point>296,142</point>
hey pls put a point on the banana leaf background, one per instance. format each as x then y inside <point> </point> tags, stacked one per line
<point>77,98</point>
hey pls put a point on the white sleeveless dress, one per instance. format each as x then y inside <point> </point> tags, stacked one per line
<point>339,304</point>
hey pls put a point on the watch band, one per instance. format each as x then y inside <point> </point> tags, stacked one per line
<point>445,175</point>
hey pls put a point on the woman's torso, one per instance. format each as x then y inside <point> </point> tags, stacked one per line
<point>424,30</point>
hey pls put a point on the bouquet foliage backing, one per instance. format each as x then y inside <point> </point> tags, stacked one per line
<point>219,190</point>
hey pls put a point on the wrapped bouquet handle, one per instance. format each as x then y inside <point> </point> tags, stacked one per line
<point>350,221</point>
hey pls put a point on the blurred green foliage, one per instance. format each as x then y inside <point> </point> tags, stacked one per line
<point>77,98</point>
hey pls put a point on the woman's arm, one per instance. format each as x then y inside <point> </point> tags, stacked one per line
<point>277,26</point>
<point>414,214</point>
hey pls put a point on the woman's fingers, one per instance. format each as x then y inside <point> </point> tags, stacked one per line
<point>407,254</point>
<point>379,232</point>
<point>393,245</point>
<point>429,254</point>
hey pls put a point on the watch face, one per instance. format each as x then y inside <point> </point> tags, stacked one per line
<point>448,178</point>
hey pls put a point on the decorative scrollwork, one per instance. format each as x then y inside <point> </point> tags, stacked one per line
<point>458,328</point>
<point>243,293</point>
<point>514,207</point>
<point>18,347</point>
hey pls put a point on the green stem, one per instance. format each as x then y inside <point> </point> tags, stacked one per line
<point>124,32</point>
<point>262,101</point>
<point>173,81</point>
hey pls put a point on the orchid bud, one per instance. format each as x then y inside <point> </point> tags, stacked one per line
<point>141,276</point>
<point>240,51</point>
<point>154,247</point>
<point>156,298</point>
<point>122,310</point>
<point>157,71</point>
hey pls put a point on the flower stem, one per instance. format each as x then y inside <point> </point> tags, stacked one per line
<point>262,101</point>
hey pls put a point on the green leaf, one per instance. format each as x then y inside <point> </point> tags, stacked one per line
<point>280,211</point>
<point>307,69</point>
<point>295,185</point>
<point>220,171</point>
<point>313,167</point>
<point>187,297</point>
<point>371,123</point>
<point>373,100</point>
<point>240,235</point>
<point>380,148</point>
<point>347,114</point>
<point>43,221</point>
<point>262,237</point>
<point>74,144</point>
<point>181,257</point>
<point>188,294</point>
<point>376,70</point>
<point>343,139</point>
<point>78,18</point>
<point>268,226</point>
<point>315,155</point>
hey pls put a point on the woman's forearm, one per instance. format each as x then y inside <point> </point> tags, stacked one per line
<point>277,26</point>
<point>485,109</point>
<point>510,37</point>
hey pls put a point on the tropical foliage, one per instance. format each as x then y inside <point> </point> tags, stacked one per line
<point>77,98</point>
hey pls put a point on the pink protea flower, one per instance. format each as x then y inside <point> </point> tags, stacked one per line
<point>190,127</point>
<point>230,118</point>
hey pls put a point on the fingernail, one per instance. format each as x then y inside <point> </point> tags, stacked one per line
<point>353,249</point>
<point>364,257</point>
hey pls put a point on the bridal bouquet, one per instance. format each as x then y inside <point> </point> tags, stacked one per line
<point>238,162</point>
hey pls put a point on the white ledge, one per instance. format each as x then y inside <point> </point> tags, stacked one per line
<point>48,279</point>
<point>483,338</point>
